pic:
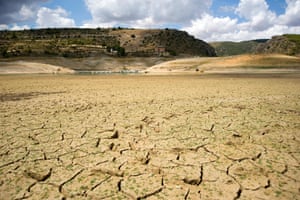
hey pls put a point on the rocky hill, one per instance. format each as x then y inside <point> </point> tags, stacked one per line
<point>288,44</point>
<point>94,42</point>
<point>285,44</point>
<point>228,48</point>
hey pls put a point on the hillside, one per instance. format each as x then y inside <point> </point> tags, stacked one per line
<point>288,44</point>
<point>228,48</point>
<point>285,44</point>
<point>94,42</point>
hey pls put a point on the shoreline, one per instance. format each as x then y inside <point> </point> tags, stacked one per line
<point>242,64</point>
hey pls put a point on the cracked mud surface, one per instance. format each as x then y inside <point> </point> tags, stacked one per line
<point>148,137</point>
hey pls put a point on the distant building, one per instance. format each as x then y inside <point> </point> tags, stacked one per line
<point>160,50</point>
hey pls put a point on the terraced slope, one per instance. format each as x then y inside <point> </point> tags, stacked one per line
<point>96,42</point>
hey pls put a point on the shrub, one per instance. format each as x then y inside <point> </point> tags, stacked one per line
<point>172,52</point>
<point>14,36</point>
<point>120,50</point>
<point>4,53</point>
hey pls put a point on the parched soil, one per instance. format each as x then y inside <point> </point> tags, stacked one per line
<point>149,137</point>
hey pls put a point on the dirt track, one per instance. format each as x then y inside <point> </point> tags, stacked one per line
<point>149,137</point>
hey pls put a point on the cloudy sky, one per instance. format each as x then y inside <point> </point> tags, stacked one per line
<point>210,20</point>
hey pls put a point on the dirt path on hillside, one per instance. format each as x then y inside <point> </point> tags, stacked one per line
<point>149,137</point>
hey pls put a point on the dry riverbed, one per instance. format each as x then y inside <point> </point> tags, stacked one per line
<point>149,137</point>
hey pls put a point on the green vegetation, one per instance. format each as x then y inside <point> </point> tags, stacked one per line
<point>120,51</point>
<point>288,44</point>
<point>294,38</point>
<point>172,52</point>
<point>236,48</point>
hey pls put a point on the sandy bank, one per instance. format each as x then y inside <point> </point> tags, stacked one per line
<point>241,63</point>
<point>24,67</point>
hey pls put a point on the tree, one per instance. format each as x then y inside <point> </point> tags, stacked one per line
<point>120,50</point>
<point>14,36</point>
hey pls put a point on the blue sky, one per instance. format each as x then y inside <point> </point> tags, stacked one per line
<point>76,8</point>
<point>210,20</point>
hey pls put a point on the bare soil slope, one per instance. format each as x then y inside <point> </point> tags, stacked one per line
<point>102,63</point>
<point>246,63</point>
<point>23,67</point>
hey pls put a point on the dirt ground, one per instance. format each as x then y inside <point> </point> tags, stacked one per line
<point>149,137</point>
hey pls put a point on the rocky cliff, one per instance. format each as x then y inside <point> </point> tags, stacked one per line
<point>285,44</point>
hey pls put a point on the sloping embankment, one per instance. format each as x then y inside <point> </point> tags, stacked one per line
<point>247,63</point>
<point>24,67</point>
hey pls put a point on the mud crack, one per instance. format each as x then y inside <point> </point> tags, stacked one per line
<point>100,183</point>
<point>60,188</point>
<point>83,134</point>
<point>150,194</point>
<point>195,181</point>
<point>15,161</point>
<point>238,194</point>
<point>187,194</point>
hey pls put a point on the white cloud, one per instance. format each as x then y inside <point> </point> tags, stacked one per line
<point>145,23</point>
<point>253,18</point>
<point>53,18</point>
<point>257,13</point>
<point>16,27</point>
<point>27,12</point>
<point>178,11</point>
<point>13,27</point>
<point>104,11</point>
<point>14,11</point>
<point>137,13</point>
<point>211,27</point>
<point>291,17</point>
<point>259,22</point>
<point>249,8</point>
<point>4,27</point>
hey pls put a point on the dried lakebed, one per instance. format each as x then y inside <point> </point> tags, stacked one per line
<point>149,137</point>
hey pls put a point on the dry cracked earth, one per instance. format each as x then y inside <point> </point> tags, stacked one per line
<point>149,137</point>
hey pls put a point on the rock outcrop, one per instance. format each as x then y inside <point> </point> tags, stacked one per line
<point>285,44</point>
